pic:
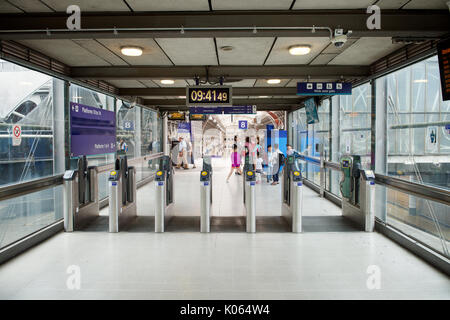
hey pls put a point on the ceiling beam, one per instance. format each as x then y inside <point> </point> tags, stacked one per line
<point>215,72</point>
<point>250,91</point>
<point>400,23</point>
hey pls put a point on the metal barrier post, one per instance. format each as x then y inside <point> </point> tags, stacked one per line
<point>297,201</point>
<point>250,201</point>
<point>115,200</point>
<point>205,201</point>
<point>70,183</point>
<point>160,199</point>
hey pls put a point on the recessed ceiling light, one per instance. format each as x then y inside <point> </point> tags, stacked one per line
<point>263,96</point>
<point>273,81</point>
<point>226,48</point>
<point>167,81</point>
<point>299,50</point>
<point>420,81</point>
<point>131,51</point>
<point>181,97</point>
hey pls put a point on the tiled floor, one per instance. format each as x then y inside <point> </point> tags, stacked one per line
<point>328,261</point>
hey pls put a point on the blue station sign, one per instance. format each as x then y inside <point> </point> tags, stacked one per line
<point>323,88</point>
<point>250,109</point>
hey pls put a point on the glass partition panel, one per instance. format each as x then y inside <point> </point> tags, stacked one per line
<point>24,215</point>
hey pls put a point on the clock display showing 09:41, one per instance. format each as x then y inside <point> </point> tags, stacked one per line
<point>208,95</point>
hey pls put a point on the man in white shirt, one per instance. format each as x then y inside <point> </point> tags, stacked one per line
<point>182,154</point>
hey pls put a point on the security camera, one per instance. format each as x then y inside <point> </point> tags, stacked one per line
<point>340,37</point>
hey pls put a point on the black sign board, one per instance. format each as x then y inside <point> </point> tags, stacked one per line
<point>444,67</point>
<point>176,116</point>
<point>193,116</point>
<point>203,96</point>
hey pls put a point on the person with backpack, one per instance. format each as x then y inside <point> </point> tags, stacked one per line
<point>278,160</point>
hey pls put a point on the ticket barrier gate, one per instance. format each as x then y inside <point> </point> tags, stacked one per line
<point>292,193</point>
<point>80,195</point>
<point>205,195</point>
<point>163,193</point>
<point>250,200</point>
<point>357,187</point>
<point>122,194</point>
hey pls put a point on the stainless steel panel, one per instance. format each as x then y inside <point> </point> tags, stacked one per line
<point>205,207</point>
<point>250,201</point>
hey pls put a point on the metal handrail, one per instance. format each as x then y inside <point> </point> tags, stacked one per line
<point>131,162</point>
<point>23,188</point>
<point>416,189</point>
<point>413,188</point>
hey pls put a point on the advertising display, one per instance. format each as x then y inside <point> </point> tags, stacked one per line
<point>92,130</point>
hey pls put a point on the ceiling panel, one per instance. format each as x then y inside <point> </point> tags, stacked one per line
<point>101,51</point>
<point>189,51</point>
<point>426,4</point>
<point>177,84</point>
<point>65,51</point>
<point>126,83</point>
<point>366,51</point>
<point>280,51</point>
<point>323,58</point>
<point>31,5</point>
<point>332,4</point>
<point>263,83</point>
<point>169,5</point>
<point>246,51</point>
<point>245,83</point>
<point>391,4</point>
<point>6,7</point>
<point>149,83</point>
<point>88,5</point>
<point>152,54</point>
<point>251,4</point>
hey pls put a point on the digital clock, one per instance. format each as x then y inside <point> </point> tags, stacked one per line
<point>198,95</point>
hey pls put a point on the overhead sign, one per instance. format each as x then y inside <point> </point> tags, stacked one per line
<point>17,135</point>
<point>205,110</point>
<point>447,128</point>
<point>203,96</point>
<point>176,116</point>
<point>323,88</point>
<point>196,117</point>
<point>444,68</point>
<point>251,109</point>
<point>92,130</point>
<point>243,124</point>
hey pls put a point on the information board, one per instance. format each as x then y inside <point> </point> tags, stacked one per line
<point>323,88</point>
<point>203,96</point>
<point>176,116</point>
<point>92,130</point>
<point>250,109</point>
<point>205,110</point>
<point>196,117</point>
<point>444,68</point>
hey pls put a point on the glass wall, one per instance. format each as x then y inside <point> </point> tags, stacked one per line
<point>417,149</point>
<point>34,104</point>
<point>29,101</point>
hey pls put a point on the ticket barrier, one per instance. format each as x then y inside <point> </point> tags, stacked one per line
<point>80,195</point>
<point>122,194</point>
<point>250,200</point>
<point>292,193</point>
<point>163,193</point>
<point>357,187</point>
<point>205,195</point>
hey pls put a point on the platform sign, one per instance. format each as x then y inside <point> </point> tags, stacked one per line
<point>196,117</point>
<point>250,109</point>
<point>243,124</point>
<point>128,125</point>
<point>203,96</point>
<point>323,88</point>
<point>17,135</point>
<point>444,68</point>
<point>92,130</point>
<point>184,127</point>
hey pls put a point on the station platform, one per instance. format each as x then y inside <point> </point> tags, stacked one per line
<point>329,260</point>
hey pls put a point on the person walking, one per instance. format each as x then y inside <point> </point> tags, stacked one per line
<point>259,167</point>
<point>278,161</point>
<point>269,163</point>
<point>182,154</point>
<point>235,162</point>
